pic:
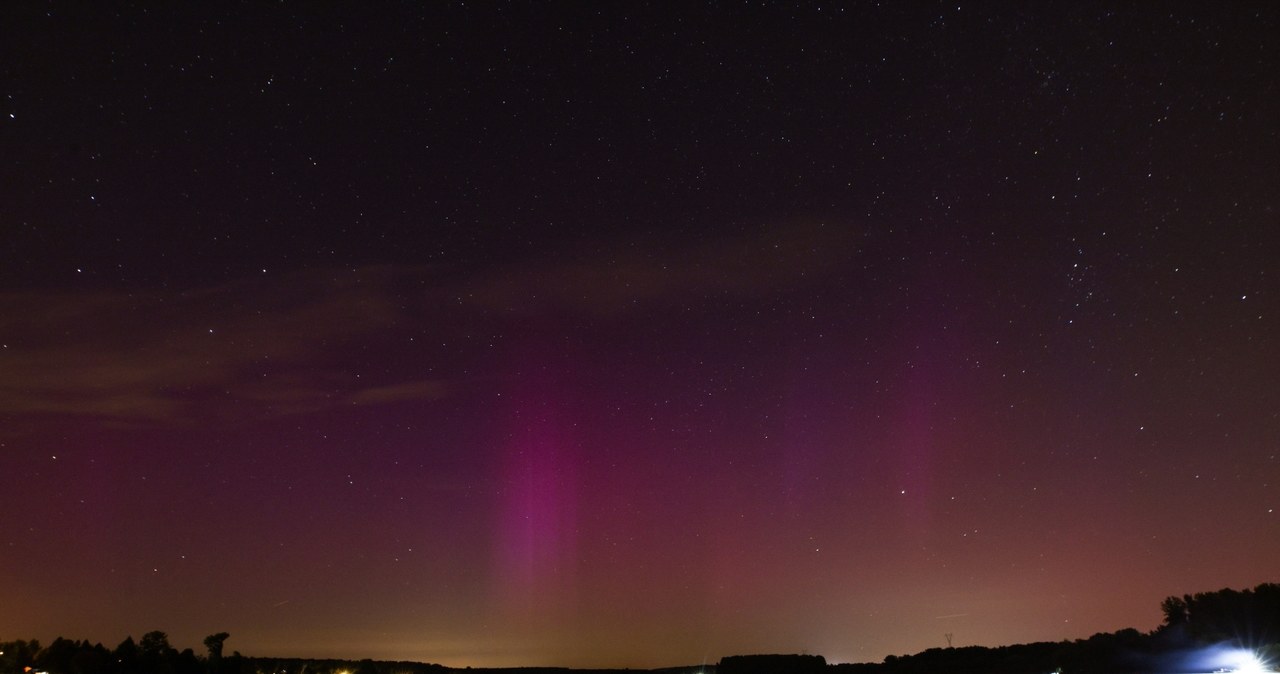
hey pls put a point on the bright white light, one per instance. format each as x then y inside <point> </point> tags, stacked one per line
<point>1223,658</point>
<point>1251,665</point>
<point>1245,662</point>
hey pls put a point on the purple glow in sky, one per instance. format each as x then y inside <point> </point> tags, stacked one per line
<point>634,336</point>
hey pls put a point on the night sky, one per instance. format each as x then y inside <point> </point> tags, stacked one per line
<point>634,335</point>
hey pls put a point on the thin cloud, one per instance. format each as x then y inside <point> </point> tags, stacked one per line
<point>154,357</point>
<point>428,389</point>
<point>278,345</point>
<point>612,278</point>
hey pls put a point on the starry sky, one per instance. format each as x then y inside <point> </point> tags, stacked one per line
<point>634,335</point>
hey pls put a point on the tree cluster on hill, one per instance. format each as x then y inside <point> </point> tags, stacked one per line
<point>1249,617</point>
<point>1244,619</point>
<point>1121,652</point>
<point>152,654</point>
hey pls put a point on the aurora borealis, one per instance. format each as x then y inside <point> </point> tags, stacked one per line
<point>634,335</point>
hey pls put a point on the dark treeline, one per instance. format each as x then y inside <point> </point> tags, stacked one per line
<point>153,655</point>
<point>772,664</point>
<point>1247,619</point>
<point>1126,651</point>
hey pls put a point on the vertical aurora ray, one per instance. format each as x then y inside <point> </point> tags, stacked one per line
<point>536,534</point>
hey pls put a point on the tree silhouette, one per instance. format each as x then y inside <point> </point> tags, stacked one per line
<point>126,655</point>
<point>214,642</point>
<point>91,659</point>
<point>57,656</point>
<point>1249,618</point>
<point>1175,611</point>
<point>15,655</point>
<point>154,645</point>
<point>157,656</point>
<point>186,662</point>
